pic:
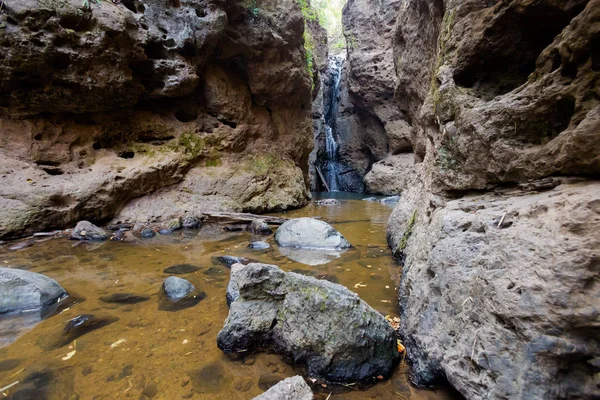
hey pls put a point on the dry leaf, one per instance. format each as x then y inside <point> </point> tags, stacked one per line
<point>379,376</point>
<point>69,355</point>
<point>400,346</point>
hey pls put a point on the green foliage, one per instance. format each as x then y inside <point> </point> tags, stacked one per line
<point>309,54</point>
<point>329,13</point>
<point>252,7</point>
<point>309,13</point>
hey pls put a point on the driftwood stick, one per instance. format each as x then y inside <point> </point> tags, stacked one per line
<point>229,217</point>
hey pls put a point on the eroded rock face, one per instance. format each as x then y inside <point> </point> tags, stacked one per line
<point>292,314</point>
<point>111,103</point>
<point>498,289</point>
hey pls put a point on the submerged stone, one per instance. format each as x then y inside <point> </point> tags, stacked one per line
<point>177,288</point>
<point>124,298</point>
<point>209,379</point>
<point>180,269</point>
<point>73,329</point>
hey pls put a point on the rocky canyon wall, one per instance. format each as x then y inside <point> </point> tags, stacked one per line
<point>498,227</point>
<point>143,110</point>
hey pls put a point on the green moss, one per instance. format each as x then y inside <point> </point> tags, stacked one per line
<point>309,55</point>
<point>264,165</point>
<point>191,144</point>
<point>407,233</point>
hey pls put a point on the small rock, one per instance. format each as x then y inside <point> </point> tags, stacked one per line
<point>177,288</point>
<point>150,390</point>
<point>118,236</point>
<point>177,294</point>
<point>294,388</point>
<point>260,227</point>
<point>259,245</point>
<point>174,224</point>
<point>228,261</point>
<point>190,222</point>
<point>165,231</point>
<point>180,269</point>
<point>85,230</point>
<point>124,298</point>
<point>11,363</point>
<point>142,231</point>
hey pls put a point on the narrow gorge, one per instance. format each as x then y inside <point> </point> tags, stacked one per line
<point>294,199</point>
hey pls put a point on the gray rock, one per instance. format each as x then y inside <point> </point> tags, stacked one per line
<point>501,283</point>
<point>260,226</point>
<point>228,261</point>
<point>233,291</point>
<point>338,336</point>
<point>190,222</point>
<point>310,233</point>
<point>27,291</point>
<point>85,230</point>
<point>390,200</point>
<point>312,257</point>
<point>294,388</point>
<point>328,202</point>
<point>260,245</point>
<point>143,232</point>
<point>177,288</point>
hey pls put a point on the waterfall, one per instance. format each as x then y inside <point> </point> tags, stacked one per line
<point>331,146</point>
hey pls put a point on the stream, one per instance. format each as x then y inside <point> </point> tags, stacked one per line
<point>150,353</point>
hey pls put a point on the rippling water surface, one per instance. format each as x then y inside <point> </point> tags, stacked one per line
<point>149,353</point>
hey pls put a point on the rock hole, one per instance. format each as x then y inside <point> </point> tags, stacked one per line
<point>126,154</point>
<point>11,20</point>
<point>144,26</point>
<point>144,71</point>
<point>96,146</point>
<point>569,70</point>
<point>60,61</point>
<point>155,50</point>
<point>230,124</point>
<point>430,273</point>
<point>186,115</point>
<point>134,6</point>
<point>76,23</point>
<point>52,170</point>
<point>556,120</point>
<point>200,13</point>
<point>188,50</point>
<point>170,42</point>
<point>38,137</point>
<point>506,54</point>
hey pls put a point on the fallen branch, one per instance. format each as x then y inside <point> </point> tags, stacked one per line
<point>229,217</point>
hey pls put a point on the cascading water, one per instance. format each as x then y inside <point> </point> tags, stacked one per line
<point>331,146</point>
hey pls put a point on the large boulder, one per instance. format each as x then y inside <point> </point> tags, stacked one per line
<point>310,233</point>
<point>27,291</point>
<point>294,388</point>
<point>323,325</point>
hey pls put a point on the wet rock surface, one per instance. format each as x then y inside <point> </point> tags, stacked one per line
<point>294,388</point>
<point>228,261</point>
<point>85,230</point>
<point>310,233</point>
<point>177,294</point>
<point>259,226</point>
<point>291,314</point>
<point>27,291</point>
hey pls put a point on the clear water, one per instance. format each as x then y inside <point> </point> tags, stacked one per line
<point>150,353</point>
